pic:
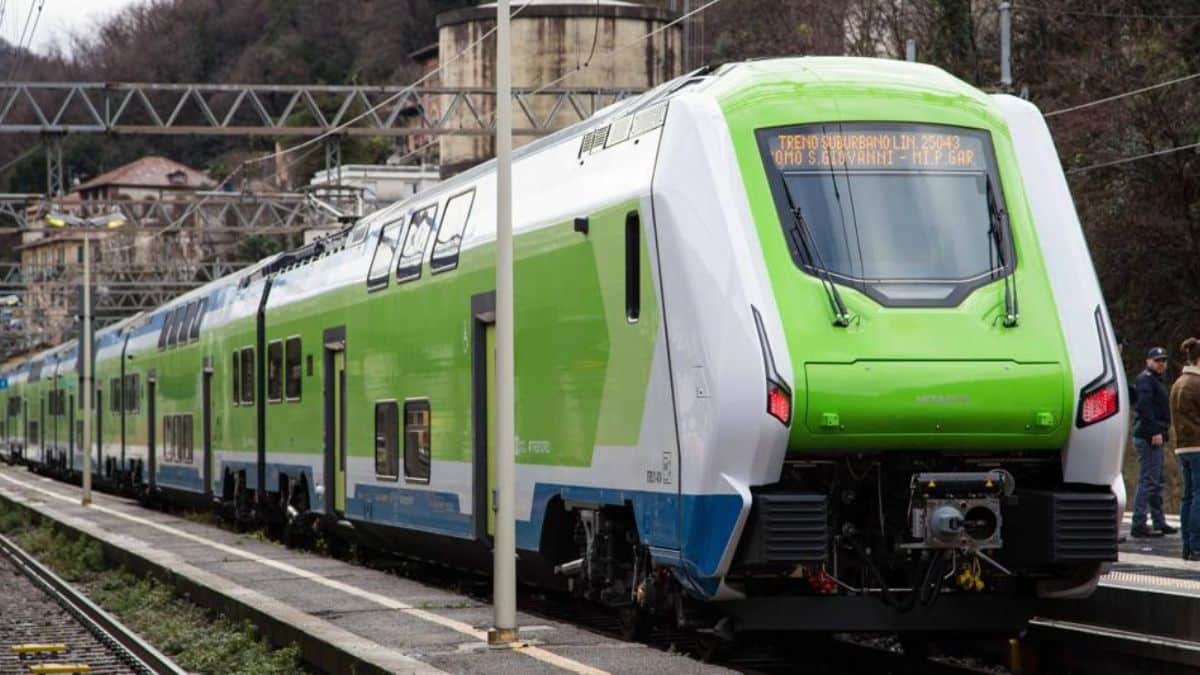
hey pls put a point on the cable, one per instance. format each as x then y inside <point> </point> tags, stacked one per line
<point>626,45</point>
<point>1126,160</point>
<point>275,155</point>
<point>1108,99</point>
<point>388,100</point>
<point>22,46</point>
<point>12,162</point>
<point>1105,15</point>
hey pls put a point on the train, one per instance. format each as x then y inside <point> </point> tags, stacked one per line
<point>802,344</point>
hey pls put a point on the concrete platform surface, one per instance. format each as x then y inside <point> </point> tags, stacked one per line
<point>346,618</point>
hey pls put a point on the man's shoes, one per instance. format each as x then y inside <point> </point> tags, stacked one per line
<point>1167,529</point>
<point>1193,556</point>
<point>1187,554</point>
<point>1143,532</point>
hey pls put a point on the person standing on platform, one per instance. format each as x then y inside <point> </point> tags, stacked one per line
<point>1185,421</point>
<point>1150,433</point>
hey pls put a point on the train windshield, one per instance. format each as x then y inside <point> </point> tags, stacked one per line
<point>907,213</point>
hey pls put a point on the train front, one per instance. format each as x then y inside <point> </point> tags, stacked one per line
<point>936,348</point>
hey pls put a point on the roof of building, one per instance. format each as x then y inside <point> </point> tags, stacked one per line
<point>150,171</point>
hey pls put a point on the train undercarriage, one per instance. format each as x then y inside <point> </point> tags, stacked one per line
<point>868,542</point>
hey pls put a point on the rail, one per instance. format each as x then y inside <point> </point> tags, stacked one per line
<point>140,654</point>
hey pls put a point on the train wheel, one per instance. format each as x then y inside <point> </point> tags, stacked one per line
<point>635,623</point>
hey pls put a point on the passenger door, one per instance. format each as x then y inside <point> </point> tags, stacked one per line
<point>335,421</point>
<point>206,424</point>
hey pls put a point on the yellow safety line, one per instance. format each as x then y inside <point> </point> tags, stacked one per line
<point>538,653</point>
<point>36,648</point>
<point>44,668</point>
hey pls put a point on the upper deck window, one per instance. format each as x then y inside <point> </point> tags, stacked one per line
<point>385,251</point>
<point>903,212</point>
<point>450,232</point>
<point>420,228</point>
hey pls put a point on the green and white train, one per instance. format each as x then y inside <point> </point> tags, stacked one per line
<point>803,343</point>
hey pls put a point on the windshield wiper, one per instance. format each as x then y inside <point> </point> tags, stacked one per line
<point>997,221</point>
<point>803,240</point>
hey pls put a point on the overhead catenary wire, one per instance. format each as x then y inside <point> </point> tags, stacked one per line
<point>393,97</point>
<point>1106,15</point>
<point>626,45</point>
<point>1115,97</point>
<point>23,45</point>
<point>241,167</point>
<point>1126,160</point>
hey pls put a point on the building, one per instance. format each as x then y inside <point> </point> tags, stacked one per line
<point>151,190</point>
<point>552,40</point>
<point>146,179</point>
<point>51,266</point>
<point>379,183</point>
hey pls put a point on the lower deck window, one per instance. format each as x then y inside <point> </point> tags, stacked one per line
<point>416,441</point>
<point>387,458</point>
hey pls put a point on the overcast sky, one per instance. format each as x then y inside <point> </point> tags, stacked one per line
<point>59,19</point>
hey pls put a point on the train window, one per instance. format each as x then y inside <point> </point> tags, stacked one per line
<point>274,371</point>
<point>201,307</point>
<point>308,364</point>
<point>236,377</point>
<point>416,441</point>
<point>248,375</point>
<point>169,438</point>
<point>185,330</point>
<point>292,369</point>
<point>420,227</point>
<point>384,252</point>
<point>358,233</point>
<point>450,232</point>
<point>172,323</point>
<point>132,396</point>
<point>387,456</point>
<point>633,269</point>
<point>162,331</point>
<point>114,394</point>
<point>33,432</point>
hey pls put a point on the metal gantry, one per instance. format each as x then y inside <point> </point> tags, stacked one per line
<point>287,110</point>
<point>214,212</point>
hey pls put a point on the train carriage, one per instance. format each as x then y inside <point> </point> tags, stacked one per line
<point>801,344</point>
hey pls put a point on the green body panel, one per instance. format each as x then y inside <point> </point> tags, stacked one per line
<point>970,336</point>
<point>413,340</point>
<point>1001,396</point>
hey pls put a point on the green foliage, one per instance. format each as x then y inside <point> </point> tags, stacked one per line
<point>197,639</point>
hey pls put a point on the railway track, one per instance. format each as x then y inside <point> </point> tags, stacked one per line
<point>47,626</point>
<point>1077,647</point>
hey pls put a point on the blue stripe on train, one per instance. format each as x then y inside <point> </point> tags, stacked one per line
<point>688,532</point>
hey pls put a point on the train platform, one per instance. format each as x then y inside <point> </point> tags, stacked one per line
<point>1146,607</point>
<point>344,617</point>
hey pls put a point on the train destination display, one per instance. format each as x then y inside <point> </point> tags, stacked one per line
<point>898,147</point>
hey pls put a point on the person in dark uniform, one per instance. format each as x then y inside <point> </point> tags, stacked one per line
<point>1150,433</point>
